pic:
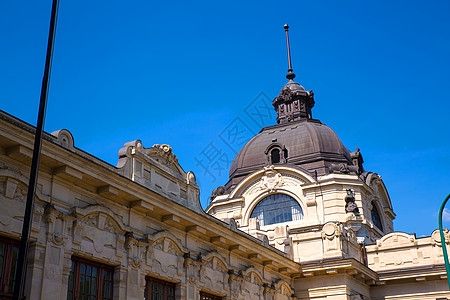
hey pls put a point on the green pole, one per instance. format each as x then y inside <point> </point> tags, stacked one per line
<point>444,247</point>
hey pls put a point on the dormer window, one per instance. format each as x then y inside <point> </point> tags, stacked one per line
<point>376,219</point>
<point>276,153</point>
<point>275,156</point>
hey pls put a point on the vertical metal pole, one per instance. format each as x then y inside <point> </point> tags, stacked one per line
<point>290,75</point>
<point>286,28</point>
<point>29,208</point>
<point>443,244</point>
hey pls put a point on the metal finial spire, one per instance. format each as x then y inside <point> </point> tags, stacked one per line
<point>289,75</point>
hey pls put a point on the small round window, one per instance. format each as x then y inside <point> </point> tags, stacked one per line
<point>277,208</point>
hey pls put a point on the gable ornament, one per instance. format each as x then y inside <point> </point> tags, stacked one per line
<point>270,181</point>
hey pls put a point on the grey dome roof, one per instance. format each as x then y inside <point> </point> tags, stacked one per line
<point>293,87</point>
<point>309,144</point>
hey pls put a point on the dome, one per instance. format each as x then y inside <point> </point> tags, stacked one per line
<point>293,87</point>
<point>298,139</point>
<point>307,143</point>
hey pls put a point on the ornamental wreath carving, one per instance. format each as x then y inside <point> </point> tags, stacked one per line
<point>270,180</point>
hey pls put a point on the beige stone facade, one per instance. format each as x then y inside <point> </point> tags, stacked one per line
<point>143,220</point>
<point>341,255</point>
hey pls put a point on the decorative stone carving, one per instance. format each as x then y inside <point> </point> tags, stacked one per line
<point>91,221</point>
<point>90,233</point>
<point>343,169</point>
<point>253,224</point>
<point>136,248</point>
<point>332,236</point>
<point>264,239</point>
<point>192,267</point>
<point>232,224</point>
<point>13,204</point>
<point>235,281</point>
<point>11,188</point>
<point>64,138</point>
<point>271,179</point>
<point>190,176</point>
<point>213,273</point>
<point>252,287</point>
<point>164,151</point>
<point>19,193</point>
<point>282,288</point>
<point>269,291</point>
<point>330,230</point>
<point>396,239</point>
<point>108,226</point>
<point>350,205</point>
<point>217,192</point>
<point>436,237</point>
<point>358,160</point>
<point>167,256</point>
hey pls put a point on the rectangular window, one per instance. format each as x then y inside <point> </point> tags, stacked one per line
<point>156,289</point>
<point>205,296</point>
<point>90,280</point>
<point>9,253</point>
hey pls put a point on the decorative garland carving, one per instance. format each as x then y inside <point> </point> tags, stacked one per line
<point>164,151</point>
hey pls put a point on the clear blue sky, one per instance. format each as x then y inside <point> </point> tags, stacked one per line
<point>182,72</point>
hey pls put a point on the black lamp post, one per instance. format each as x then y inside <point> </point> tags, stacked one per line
<point>19,280</point>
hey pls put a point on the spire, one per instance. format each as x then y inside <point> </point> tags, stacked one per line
<point>294,103</point>
<point>290,75</point>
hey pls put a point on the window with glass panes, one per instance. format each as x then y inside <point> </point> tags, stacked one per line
<point>277,208</point>
<point>206,296</point>
<point>9,252</point>
<point>376,219</point>
<point>156,289</point>
<point>90,280</point>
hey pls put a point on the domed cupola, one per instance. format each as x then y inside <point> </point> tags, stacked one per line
<point>297,186</point>
<point>294,103</point>
<point>298,139</point>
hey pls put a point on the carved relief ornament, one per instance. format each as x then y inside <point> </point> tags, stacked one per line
<point>164,151</point>
<point>330,230</point>
<point>270,181</point>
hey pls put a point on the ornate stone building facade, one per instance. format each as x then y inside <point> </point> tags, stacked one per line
<point>135,231</point>
<point>300,218</point>
<point>296,185</point>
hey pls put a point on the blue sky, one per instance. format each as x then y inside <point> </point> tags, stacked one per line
<point>183,73</point>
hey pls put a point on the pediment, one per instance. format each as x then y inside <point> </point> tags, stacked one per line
<point>396,239</point>
<point>161,154</point>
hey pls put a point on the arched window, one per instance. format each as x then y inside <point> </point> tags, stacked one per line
<point>277,208</point>
<point>376,219</point>
<point>275,156</point>
<point>276,153</point>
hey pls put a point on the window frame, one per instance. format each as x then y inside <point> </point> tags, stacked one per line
<point>275,156</point>
<point>375,217</point>
<point>76,276</point>
<point>6,290</point>
<point>281,157</point>
<point>276,208</point>
<point>165,284</point>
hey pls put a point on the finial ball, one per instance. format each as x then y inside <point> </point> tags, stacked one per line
<point>286,26</point>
